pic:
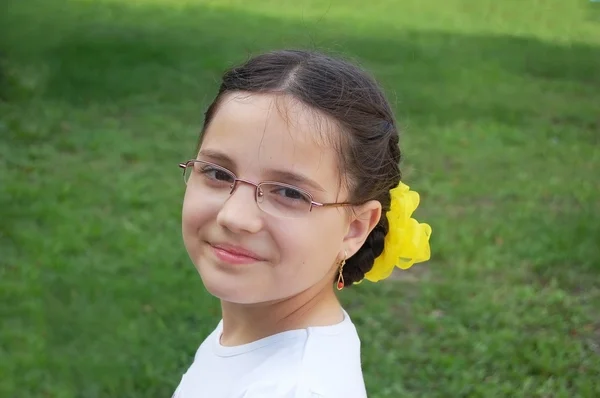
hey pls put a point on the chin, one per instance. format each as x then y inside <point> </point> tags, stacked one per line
<point>232,293</point>
<point>225,286</point>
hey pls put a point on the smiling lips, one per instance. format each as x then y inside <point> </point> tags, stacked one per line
<point>235,254</point>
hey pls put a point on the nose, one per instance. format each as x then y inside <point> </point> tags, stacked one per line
<point>240,212</point>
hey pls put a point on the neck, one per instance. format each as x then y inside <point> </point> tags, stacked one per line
<point>245,323</point>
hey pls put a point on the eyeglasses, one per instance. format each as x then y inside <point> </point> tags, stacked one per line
<point>274,198</point>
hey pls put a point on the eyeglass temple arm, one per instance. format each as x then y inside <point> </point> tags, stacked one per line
<point>317,204</point>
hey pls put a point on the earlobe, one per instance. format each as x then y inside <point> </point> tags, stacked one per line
<point>363,219</point>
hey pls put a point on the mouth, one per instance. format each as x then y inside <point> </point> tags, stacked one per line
<point>234,254</point>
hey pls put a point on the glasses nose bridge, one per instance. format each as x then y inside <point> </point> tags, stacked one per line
<point>235,185</point>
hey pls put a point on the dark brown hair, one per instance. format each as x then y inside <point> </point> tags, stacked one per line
<point>369,152</point>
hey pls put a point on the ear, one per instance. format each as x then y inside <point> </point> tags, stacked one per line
<point>362,221</point>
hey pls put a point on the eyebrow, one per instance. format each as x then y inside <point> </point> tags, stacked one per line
<point>283,176</point>
<point>216,156</point>
<point>295,179</point>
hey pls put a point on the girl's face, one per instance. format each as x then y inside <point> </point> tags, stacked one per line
<point>244,254</point>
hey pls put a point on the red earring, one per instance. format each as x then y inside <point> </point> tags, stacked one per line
<point>340,280</point>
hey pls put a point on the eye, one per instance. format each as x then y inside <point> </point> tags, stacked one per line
<point>216,174</point>
<point>289,194</point>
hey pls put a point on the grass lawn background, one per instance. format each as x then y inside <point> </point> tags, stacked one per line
<point>500,103</point>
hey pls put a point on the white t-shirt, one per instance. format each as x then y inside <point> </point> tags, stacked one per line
<point>317,362</point>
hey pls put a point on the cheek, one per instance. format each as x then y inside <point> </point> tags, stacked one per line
<point>309,249</point>
<point>194,215</point>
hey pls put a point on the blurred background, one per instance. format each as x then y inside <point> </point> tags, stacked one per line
<point>500,106</point>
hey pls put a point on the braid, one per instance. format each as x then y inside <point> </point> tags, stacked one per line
<point>362,261</point>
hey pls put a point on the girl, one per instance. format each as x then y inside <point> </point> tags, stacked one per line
<point>295,192</point>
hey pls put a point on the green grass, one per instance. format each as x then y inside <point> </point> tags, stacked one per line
<point>99,101</point>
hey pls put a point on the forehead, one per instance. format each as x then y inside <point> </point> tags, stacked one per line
<point>262,132</point>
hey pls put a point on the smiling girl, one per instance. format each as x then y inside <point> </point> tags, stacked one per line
<point>294,193</point>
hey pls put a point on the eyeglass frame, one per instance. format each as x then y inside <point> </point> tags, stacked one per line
<point>234,184</point>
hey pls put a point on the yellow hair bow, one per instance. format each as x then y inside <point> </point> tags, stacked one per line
<point>407,241</point>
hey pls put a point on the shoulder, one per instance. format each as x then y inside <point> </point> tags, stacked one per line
<point>324,363</point>
<point>317,362</point>
<point>331,364</point>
